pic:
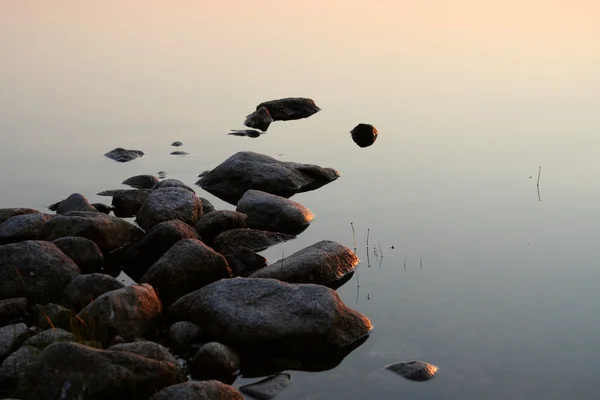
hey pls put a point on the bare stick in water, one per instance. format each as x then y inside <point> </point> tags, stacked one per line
<point>353,236</point>
<point>368,233</point>
<point>539,173</point>
<point>380,251</point>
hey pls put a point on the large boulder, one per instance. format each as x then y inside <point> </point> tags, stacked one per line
<point>14,366</point>
<point>130,312</point>
<point>273,317</point>
<point>12,310</point>
<point>84,289</point>
<point>127,203</point>
<point>290,108</point>
<point>23,227</point>
<point>247,170</point>
<point>233,240</point>
<point>11,337</point>
<point>172,183</point>
<point>86,254</point>
<point>76,371</point>
<point>167,204</point>
<point>205,390</point>
<point>75,202</point>
<point>185,267</point>
<point>322,263</point>
<point>36,270</point>
<point>269,212</point>
<point>146,349</point>
<point>107,231</point>
<point>6,213</point>
<point>213,223</point>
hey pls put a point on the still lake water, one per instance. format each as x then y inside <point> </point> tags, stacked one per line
<point>491,283</point>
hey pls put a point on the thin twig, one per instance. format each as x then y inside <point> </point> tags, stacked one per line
<point>368,232</point>
<point>539,173</point>
<point>380,251</point>
<point>353,236</point>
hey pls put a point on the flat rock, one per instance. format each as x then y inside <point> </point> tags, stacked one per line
<point>11,337</point>
<point>268,388</point>
<point>177,144</point>
<point>23,227</point>
<point>179,153</point>
<point>215,361</point>
<point>183,334</point>
<point>49,336</point>
<point>247,170</point>
<point>76,371</point>
<point>364,135</point>
<point>36,270</point>
<point>167,204</point>
<point>6,213</point>
<point>85,253</point>
<point>269,212</point>
<point>321,263</point>
<point>215,222</point>
<point>187,266</point>
<point>172,183</point>
<point>146,349</point>
<point>75,202</point>
<point>290,108</point>
<point>233,240</point>
<point>53,316</point>
<point>123,155</point>
<point>141,181</point>
<point>259,119</point>
<point>84,289</point>
<point>205,390</point>
<point>12,310</point>
<point>243,262</point>
<point>273,317</point>
<point>414,370</point>
<point>252,133</point>
<point>14,366</point>
<point>127,203</point>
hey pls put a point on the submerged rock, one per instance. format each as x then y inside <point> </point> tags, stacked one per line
<point>141,181</point>
<point>243,262</point>
<point>177,143</point>
<point>414,370</point>
<point>215,222</point>
<point>146,349</point>
<point>252,133</point>
<point>233,240</point>
<point>247,170</point>
<point>215,361</point>
<point>6,213</point>
<point>364,135</point>
<point>75,202</point>
<point>179,153</point>
<point>290,108</point>
<point>268,388</point>
<point>123,155</point>
<point>167,204</point>
<point>23,227</point>
<point>259,119</point>
<point>205,390</point>
<point>127,203</point>
<point>85,253</point>
<point>84,289</point>
<point>269,212</point>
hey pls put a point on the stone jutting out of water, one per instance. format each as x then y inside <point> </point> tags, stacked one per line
<point>179,153</point>
<point>232,240</point>
<point>213,223</point>
<point>177,143</point>
<point>259,119</point>
<point>414,370</point>
<point>123,155</point>
<point>167,204</point>
<point>75,202</point>
<point>268,388</point>
<point>141,181</point>
<point>290,108</point>
<point>364,135</point>
<point>252,133</point>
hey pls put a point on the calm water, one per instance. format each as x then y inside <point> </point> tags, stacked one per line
<point>488,281</point>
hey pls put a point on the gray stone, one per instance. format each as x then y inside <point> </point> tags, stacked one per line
<point>207,206</point>
<point>84,289</point>
<point>123,155</point>
<point>127,203</point>
<point>75,202</point>
<point>84,252</point>
<point>414,370</point>
<point>177,143</point>
<point>179,153</point>
<point>53,316</point>
<point>213,223</point>
<point>23,227</point>
<point>13,367</point>
<point>6,213</point>
<point>172,183</point>
<point>244,262</point>
<point>141,181</point>
<point>364,135</point>
<point>12,310</point>
<point>247,170</point>
<point>290,108</point>
<point>36,270</point>
<point>167,204</point>
<point>183,334</point>
<point>215,361</point>
<point>206,390</point>
<point>103,208</point>
<point>252,133</point>
<point>11,337</point>
<point>269,212</point>
<point>268,388</point>
<point>49,336</point>
<point>185,267</point>
<point>233,240</point>
<point>259,119</point>
<point>146,349</point>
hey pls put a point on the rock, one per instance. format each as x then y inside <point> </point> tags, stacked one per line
<point>234,239</point>
<point>138,256</point>
<point>127,203</point>
<point>268,388</point>
<point>244,262</point>
<point>146,349</point>
<point>273,317</point>
<point>364,135</point>
<point>11,337</point>
<point>177,144</point>
<point>6,213</point>
<point>103,208</point>
<point>253,133</point>
<point>290,108</point>
<point>141,181</point>
<point>323,262</point>
<point>183,334</point>
<point>53,316</point>
<point>123,155</point>
<point>85,253</point>
<point>167,204</point>
<point>49,336</point>
<point>206,390</point>
<point>259,119</point>
<point>23,227</point>
<point>36,270</point>
<point>269,212</point>
<point>414,370</point>
<point>187,266</point>
<point>172,183</point>
<point>107,231</point>
<point>213,223</point>
<point>215,361</point>
<point>75,202</point>
<point>12,310</point>
<point>14,366</point>
<point>75,371</point>
<point>162,174</point>
<point>179,153</point>
<point>247,170</point>
<point>130,312</point>
<point>206,206</point>
<point>84,289</point>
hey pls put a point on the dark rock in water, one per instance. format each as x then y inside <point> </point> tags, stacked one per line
<point>23,227</point>
<point>207,206</point>
<point>162,174</point>
<point>86,254</point>
<point>6,213</point>
<point>244,262</point>
<point>290,108</point>
<point>146,349</point>
<point>49,336</point>
<point>53,316</point>
<point>130,312</point>
<point>215,361</point>
<point>107,231</point>
<point>36,270</point>
<point>172,183</point>
<point>123,155</point>
<point>269,212</point>
<point>247,170</point>
<point>213,223</point>
<point>364,135</point>
<point>414,370</point>
<point>183,334</point>
<point>75,202</point>
<point>252,133</point>
<point>167,204</point>
<point>127,203</point>
<point>259,119</point>
<point>76,371</point>
<point>177,144</point>
<point>12,310</point>
<point>138,256</point>
<point>11,337</point>
<point>84,289</point>
<point>268,388</point>
<point>232,240</point>
<point>323,262</point>
<point>187,266</point>
<point>179,153</point>
<point>103,208</point>
<point>112,192</point>
<point>14,366</point>
<point>141,181</point>
<point>273,317</point>
<point>193,390</point>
